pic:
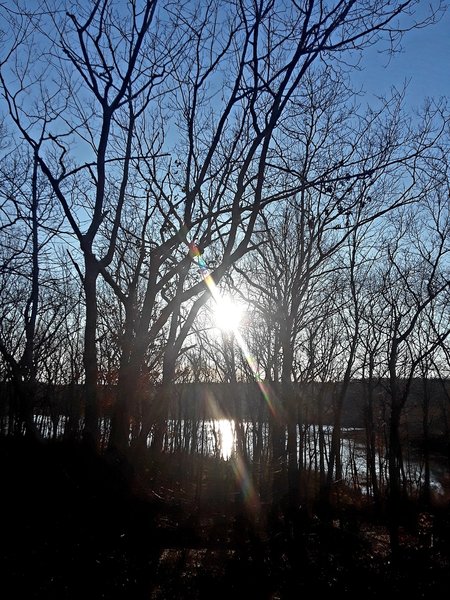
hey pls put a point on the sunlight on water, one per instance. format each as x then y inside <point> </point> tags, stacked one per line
<point>226,433</point>
<point>219,436</point>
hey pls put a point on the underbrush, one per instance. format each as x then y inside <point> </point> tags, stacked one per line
<point>76,523</point>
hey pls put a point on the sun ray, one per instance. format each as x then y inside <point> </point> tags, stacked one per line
<point>240,469</point>
<point>263,386</point>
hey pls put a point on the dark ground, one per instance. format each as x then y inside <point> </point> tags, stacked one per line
<point>78,525</point>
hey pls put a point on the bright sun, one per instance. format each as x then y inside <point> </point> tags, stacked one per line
<point>227,314</point>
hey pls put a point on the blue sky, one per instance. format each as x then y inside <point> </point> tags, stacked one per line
<point>424,62</point>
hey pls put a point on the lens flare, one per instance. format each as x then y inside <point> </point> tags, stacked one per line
<point>228,315</point>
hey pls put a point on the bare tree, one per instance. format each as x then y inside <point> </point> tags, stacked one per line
<point>414,281</point>
<point>221,78</point>
<point>29,224</point>
<point>373,370</point>
<point>342,173</point>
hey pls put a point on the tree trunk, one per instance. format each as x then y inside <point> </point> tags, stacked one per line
<point>91,410</point>
<point>426,493</point>
<point>394,467</point>
<point>371,437</point>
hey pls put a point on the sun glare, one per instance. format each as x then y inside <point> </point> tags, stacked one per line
<point>227,314</point>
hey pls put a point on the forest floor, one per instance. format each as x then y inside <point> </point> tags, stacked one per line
<point>78,524</point>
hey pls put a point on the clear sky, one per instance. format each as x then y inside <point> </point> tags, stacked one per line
<point>424,64</point>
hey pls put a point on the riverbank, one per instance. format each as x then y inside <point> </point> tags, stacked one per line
<point>76,523</point>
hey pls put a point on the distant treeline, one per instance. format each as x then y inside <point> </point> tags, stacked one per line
<point>250,401</point>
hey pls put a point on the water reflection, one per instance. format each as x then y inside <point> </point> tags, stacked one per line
<point>227,437</point>
<point>218,437</point>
